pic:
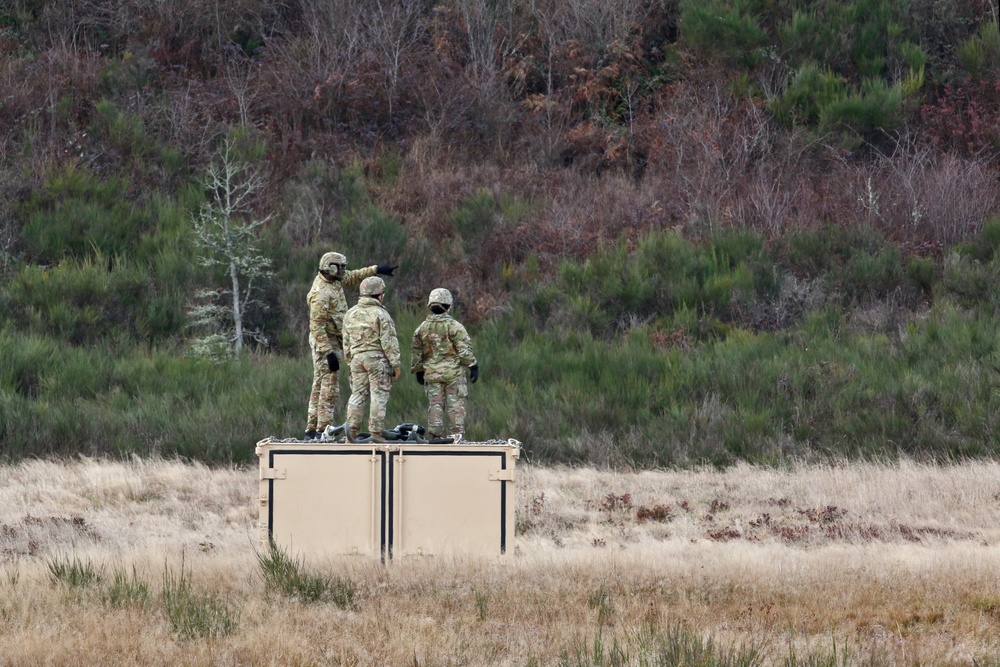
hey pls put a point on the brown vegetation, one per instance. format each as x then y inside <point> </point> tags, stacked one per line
<point>592,110</point>
<point>892,564</point>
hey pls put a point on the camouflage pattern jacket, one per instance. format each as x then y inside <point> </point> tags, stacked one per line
<point>327,306</point>
<point>368,327</point>
<point>441,349</point>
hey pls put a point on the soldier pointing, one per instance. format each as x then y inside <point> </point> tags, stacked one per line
<point>327,307</point>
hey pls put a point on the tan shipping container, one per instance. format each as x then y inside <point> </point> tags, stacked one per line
<point>387,500</point>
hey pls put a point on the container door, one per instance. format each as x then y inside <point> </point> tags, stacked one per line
<point>327,502</point>
<point>450,500</point>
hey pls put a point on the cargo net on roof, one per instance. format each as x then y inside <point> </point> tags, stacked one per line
<point>402,433</point>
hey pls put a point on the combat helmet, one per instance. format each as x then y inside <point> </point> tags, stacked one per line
<point>372,286</point>
<point>440,296</point>
<point>329,262</point>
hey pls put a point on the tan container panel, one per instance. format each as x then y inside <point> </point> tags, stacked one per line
<point>449,501</point>
<point>329,502</point>
<point>387,499</point>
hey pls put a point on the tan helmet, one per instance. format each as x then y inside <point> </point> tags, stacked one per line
<point>372,286</point>
<point>440,296</point>
<point>330,260</point>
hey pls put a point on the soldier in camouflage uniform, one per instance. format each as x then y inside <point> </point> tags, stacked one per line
<point>372,350</point>
<point>327,306</point>
<point>441,351</point>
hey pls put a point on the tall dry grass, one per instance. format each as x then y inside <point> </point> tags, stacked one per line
<point>881,564</point>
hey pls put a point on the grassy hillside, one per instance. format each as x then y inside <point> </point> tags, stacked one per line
<point>678,231</point>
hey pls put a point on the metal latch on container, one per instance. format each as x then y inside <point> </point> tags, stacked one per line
<point>506,475</point>
<point>272,473</point>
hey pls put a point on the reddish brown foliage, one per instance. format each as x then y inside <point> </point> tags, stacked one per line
<point>964,118</point>
<point>825,515</point>
<point>615,503</point>
<point>724,534</point>
<point>660,513</point>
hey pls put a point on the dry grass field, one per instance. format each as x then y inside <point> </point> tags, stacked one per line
<point>874,564</point>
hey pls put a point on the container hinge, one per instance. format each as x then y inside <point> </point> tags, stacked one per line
<point>272,473</point>
<point>506,475</point>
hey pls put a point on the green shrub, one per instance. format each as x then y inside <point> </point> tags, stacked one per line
<point>127,589</point>
<point>984,247</point>
<point>877,106</point>
<point>617,289</point>
<point>133,401</point>
<point>809,38</point>
<point>923,272</point>
<point>369,236</point>
<point>970,282</point>
<point>824,251</point>
<point>124,131</point>
<point>76,214</point>
<point>24,361</point>
<point>474,219</point>
<point>811,90</point>
<point>724,30</point>
<point>74,573</point>
<point>660,648</point>
<point>193,615</point>
<point>912,56</point>
<point>868,276</point>
<point>287,576</point>
<point>80,302</point>
<point>126,75</point>
<point>120,273</point>
<point>101,297</point>
<point>353,225</point>
<point>980,53</point>
<point>842,55</point>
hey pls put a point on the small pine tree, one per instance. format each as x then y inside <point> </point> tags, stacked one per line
<point>227,235</point>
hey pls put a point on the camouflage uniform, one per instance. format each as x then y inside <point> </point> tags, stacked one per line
<point>372,349</point>
<point>327,306</point>
<point>442,349</point>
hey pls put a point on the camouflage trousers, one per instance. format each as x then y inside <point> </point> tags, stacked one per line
<point>371,376</point>
<point>446,398</point>
<point>325,394</point>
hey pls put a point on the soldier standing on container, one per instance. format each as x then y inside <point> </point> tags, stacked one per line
<point>327,306</point>
<point>441,351</point>
<point>372,350</point>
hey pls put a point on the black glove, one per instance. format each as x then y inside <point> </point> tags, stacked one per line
<point>420,377</point>
<point>474,373</point>
<point>386,269</point>
<point>333,362</point>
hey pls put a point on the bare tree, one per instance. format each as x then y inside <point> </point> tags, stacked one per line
<point>765,203</point>
<point>444,105</point>
<point>395,27</point>
<point>241,79</point>
<point>550,109</point>
<point>328,55</point>
<point>932,196</point>
<point>707,159</point>
<point>227,236</point>
<point>596,24</point>
<point>484,44</point>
